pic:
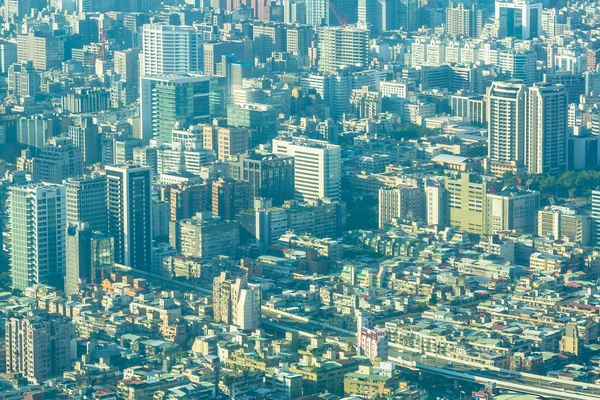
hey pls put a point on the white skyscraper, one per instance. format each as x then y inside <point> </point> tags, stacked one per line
<point>38,218</point>
<point>341,46</point>
<point>317,167</point>
<point>317,12</point>
<point>506,126</point>
<point>171,49</point>
<point>521,19</point>
<point>546,129</point>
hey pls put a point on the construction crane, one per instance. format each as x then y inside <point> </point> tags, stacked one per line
<point>342,21</point>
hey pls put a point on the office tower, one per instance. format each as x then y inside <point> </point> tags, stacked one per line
<point>86,202</point>
<point>16,9</point>
<point>317,13</point>
<point>270,223</point>
<point>8,56</point>
<point>213,53</point>
<point>229,197</point>
<point>38,346</point>
<point>236,302</point>
<point>167,100</point>
<point>564,223</point>
<point>187,201</point>
<point>85,136</point>
<point>35,131</point>
<point>82,100</point>
<point>294,11</point>
<point>261,119</point>
<point>521,19</point>
<point>546,135</point>
<point>268,37</point>
<point>84,6</point>
<point>268,175</point>
<point>23,80</point>
<point>464,21</point>
<point>58,160</point>
<point>506,126</point>
<point>408,15</point>
<point>205,236</point>
<point>171,49</point>
<point>225,141</point>
<point>342,46</point>
<point>467,202</point>
<point>299,39</point>
<point>317,167</point>
<point>46,52</point>
<point>400,202</point>
<point>512,209</point>
<point>127,65</point>
<point>129,191</point>
<point>37,224</point>
<point>518,65</point>
<point>123,148</point>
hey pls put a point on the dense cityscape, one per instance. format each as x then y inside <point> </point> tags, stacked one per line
<point>299,199</point>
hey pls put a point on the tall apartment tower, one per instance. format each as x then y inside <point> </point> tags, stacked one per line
<point>37,224</point>
<point>86,201</point>
<point>38,346</point>
<point>23,80</point>
<point>464,21</point>
<point>129,192</point>
<point>342,46</point>
<point>170,100</point>
<point>403,202</point>
<point>317,167</point>
<point>506,126</point>
<point>85,136</point>
<point>58,160</point>
<point>547,120</point>
<point>596,216</point>
<point>236,302</point>
<point>171,49</point>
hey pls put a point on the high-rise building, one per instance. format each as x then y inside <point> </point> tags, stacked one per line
<point>85,100</point>
<point>58,160</point>
<point>512,209</point>
<point>546,135</point>
<point>90,257</point>
<point>408,15</point>
<point>261,119</point>
<point>35,131</point>
<point>317,13</point>
<point>129,192</point>
<point>236,302</point>
<point>464,21</point>
<point>342,46</point>
<point>86,201</point>
<point>8,55</point>
<point>596,216</point>
<point>38,346</point>
<point>436,205</point>
<point>167,100</point>
<point>23,80</point>
<point>46,52</point>
<point>127,65</point>
<point>85,136</point>
<point>187,200</point>
<point>229,197</point>
<point>506,126</point>
<point>16,9</point>
<point>378,15</point>
<point>37,225</point>
<point>226,141</point>
<point>205,236</point>
<point>400,202</point>
<point>171,49</point>
<point>467,202</point>
<point>564,223</point>
<point>521,19</point>
<point>317,167</point>
<point>268,175</point>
